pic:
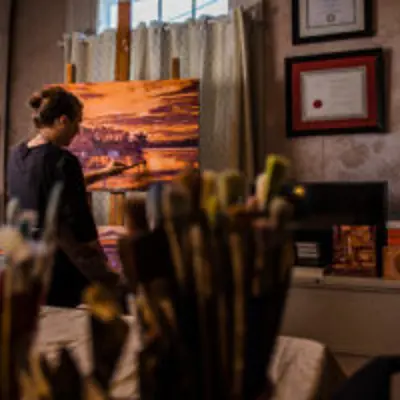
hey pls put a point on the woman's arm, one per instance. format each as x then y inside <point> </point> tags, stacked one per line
<point>94,176</point>
<point>89,258</point>
<point>113,168</point>
<point>77,235</point>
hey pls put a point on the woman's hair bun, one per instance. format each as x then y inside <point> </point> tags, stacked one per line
<point>36,101</point>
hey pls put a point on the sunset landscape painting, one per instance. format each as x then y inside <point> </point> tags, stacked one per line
<point>152,126</point>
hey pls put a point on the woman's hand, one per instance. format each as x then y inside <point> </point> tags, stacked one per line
<point>114,168</point>
<point>111,169</point>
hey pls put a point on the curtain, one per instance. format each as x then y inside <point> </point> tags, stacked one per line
<point>217,51</point>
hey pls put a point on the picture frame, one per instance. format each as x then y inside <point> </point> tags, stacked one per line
<point>335,93</point>
<point>321,20</point>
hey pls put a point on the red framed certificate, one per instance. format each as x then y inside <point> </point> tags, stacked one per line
<point>336,93</point>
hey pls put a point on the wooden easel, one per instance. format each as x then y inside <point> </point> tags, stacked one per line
<point>122,73</point>
<point>122,69</point>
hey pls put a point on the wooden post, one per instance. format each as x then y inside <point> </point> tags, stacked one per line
<point>175,68</point>
<point>70,73</point>
<point>122,62</point>
<point>122,72</point>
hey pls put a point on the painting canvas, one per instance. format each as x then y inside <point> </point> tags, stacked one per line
<point>151,125</point>
<point>354,251</point>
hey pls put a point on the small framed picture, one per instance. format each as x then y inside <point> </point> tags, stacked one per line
<point>335,93</point>
<point>324,20</point>
<point>354,251</point>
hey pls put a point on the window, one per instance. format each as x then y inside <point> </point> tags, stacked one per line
<point>148,11</point>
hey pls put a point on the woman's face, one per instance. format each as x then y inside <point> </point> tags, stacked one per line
<point>67,129</point>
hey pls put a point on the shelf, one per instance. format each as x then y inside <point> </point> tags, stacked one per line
<point>314,278</point>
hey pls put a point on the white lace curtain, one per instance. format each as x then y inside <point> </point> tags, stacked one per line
<point>214,51</point>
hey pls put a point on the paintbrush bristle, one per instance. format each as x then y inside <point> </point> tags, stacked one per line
<point>208,187</point>
<point>231,188</point>
<point>176,202</point>
<point>277,168</point>
<point>136,213</point>
<point>261,191</point>
<point>154,205</point>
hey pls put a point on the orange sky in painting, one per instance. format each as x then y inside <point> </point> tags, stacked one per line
<point>135,98</point>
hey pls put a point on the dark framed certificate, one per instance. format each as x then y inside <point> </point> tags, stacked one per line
<point>335,93</point>
<point>323,20</point>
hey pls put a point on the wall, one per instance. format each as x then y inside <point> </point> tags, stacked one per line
<point>37,58</point>
<point>317,313</point>
<point>344,158</point>
<point>5,17</point>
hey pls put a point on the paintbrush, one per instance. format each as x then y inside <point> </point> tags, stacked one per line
<point>190,307</point>
<point>176,208</point>
<point>208,188</point>
<point>159,296</point>
<point>272,257</point>
<point>136,224</point>
<point>27,221</point>
<point>109,333</point>
<point>21,287</point>
<point>156,292</point>
<point>221,281</point>
<point>268,186</point>
<point>179,211</point>
<point>186,194</point>
<point>231,189</point>
<point>13,244</point>
<point>268,289</point>
<point>154,208</point>
<point>136,221</point>
<point>231,196</point>
<point>203,290</point>
<point>276,172</point>
<point>190,180</point>
<point>266,300</point>
<point>12,211</point>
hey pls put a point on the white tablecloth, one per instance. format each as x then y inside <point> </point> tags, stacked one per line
<point>301,369</point>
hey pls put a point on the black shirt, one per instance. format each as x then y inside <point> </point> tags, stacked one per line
<point>31,174</point>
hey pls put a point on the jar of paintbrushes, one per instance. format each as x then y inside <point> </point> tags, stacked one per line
<point>210,280</point>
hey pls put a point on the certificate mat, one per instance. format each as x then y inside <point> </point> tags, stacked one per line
<point>318,20</point>
<point>335,93</point>
<point>323,17</point>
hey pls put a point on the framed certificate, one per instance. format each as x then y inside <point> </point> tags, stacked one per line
<point>323,20</point>
<point>335,93</point>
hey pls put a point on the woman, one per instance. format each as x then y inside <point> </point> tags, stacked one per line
<point>33,169</point>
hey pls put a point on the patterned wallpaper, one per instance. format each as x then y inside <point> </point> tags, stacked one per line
<point>347,157</point>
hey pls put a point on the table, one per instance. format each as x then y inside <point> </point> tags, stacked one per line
<point>301,369</point>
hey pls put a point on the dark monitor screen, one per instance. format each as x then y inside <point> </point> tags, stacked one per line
<point>329,204</point>
<point>355,203</point>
